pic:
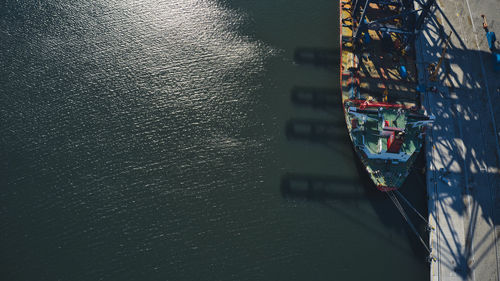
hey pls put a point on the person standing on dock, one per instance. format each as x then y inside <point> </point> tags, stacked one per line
<point>490,36</point>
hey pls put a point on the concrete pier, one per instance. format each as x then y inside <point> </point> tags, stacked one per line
<point>463,153</point>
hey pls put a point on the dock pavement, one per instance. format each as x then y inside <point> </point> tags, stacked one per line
<point>463,155</point>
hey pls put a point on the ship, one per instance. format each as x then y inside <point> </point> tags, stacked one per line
<point>380,93</point>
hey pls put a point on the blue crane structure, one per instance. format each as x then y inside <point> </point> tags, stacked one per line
<point>410,19</point>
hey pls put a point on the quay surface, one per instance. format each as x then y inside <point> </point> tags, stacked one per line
<point>463,154</point>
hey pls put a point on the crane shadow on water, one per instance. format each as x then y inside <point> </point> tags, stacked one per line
<point>333,192</point>
<point>323,57</point>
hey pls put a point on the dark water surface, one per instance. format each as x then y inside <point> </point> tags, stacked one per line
<point>158,140</point>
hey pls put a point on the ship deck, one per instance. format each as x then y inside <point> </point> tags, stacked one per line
<point>390,174</point>
<point>377,63</point>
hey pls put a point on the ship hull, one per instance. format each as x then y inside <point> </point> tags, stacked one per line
<point>373,85</point>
